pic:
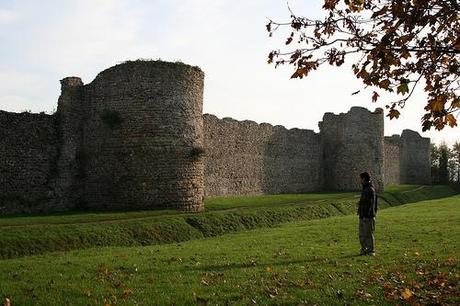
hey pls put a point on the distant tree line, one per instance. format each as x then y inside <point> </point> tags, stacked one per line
<point>445,163</point>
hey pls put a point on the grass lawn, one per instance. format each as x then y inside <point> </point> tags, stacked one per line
<point>30,235</point>
<point>307,262</point>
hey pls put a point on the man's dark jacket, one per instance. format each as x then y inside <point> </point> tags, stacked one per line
<point>368,202</point>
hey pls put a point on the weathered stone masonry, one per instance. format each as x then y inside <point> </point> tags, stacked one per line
<point>249,158</point>
<point>135,138</point>
<point>131,139</point>
<point>407,159</point>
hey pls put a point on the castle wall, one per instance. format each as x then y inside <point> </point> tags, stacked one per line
<point>415,162</point>
<point>143,136</point>
<point>135,138</point>
<point>391,161</point>
<point>28,150</point>
<point>352,143</point>
<point>243,157</point>
<point>69,115</point>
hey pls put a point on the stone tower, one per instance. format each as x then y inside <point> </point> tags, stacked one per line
<point>133,138</point>
<point>352,143</point>
<point>142,137</point>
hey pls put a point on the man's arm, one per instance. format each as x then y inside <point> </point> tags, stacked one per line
<point>372,200</point>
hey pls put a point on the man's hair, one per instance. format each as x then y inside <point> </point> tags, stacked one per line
<point>365,176</point>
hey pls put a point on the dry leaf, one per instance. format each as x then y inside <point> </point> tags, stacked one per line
<point>406,294</point>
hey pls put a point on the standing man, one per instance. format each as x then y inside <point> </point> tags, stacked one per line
<point>367,210</point>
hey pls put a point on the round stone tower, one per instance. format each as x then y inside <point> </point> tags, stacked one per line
<point>142,137</point>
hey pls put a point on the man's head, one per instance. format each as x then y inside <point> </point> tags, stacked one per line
<point>365,177</point>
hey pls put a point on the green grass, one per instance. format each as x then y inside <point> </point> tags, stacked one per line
<point>218,203</point>
<point>300,263</point>
<point>22,236</point>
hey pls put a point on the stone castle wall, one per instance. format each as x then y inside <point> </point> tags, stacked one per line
<point>28,152</point>
<point>407,159</point>
<point>135,138</point>
<point>243,157</point>
<point>391,161</point>
<point>131,139</point>
<point>352,143</point>
<point>415,162</point>
<point>141,131</point>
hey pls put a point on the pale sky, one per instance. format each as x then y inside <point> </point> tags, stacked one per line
<point>45,41</point>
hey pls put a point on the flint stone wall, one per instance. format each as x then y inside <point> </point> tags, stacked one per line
<point>131,139</point>
<point>391,161</point>
<point>352,143</point>
<point>246,158</point>
<point>415,162</point>
<point>28,152</point>
<point>134,138</point>
<point>142,134</point>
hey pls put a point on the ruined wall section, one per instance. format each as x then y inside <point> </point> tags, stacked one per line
<point>352,143</point>
<point>143,137</point>
<point>415,162</point>
<point>244,158</point>
<point>391,161</point>
<point>68,178</point>
<point>28,151</point>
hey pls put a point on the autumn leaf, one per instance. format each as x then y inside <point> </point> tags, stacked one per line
<point>393,113</point>
<point>269,269</point>
<point>7,302</point>
<point>403,89</point>
<point>384,84</point>
<point>126,292</point>
<point>269,26</point>
<point>375,96</point>
<point>204,282</point>
<point>450,119</point>
<point>406,294</point>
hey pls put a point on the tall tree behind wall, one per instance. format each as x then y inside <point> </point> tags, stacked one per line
<point>456,159</point>
<point>443,164</point>
<point>435,153</point>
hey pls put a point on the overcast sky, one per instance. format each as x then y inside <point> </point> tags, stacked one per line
<point>45,41</point>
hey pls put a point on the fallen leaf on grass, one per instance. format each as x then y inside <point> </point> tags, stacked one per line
<point>450,261</point>
<point>406,294</point>
<point>126,292</point>
<point>102,269</point>
<point>360,293</point>
<point>269,269</point>
<point>204,282</point>
<point>272,292</point>
<point>417,254</point>
<point>340,293</point>
<point>7,302</point>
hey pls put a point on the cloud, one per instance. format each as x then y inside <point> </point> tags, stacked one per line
<point>8,16</point>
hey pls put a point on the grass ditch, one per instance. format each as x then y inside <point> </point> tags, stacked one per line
<point>19,238</point>
<point>298,263</point>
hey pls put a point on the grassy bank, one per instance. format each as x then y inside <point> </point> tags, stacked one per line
<point>300,263</point>
<point>22,236</point>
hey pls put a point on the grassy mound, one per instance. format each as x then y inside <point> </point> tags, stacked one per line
<point>300,263</point>
<point>22,236</point>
